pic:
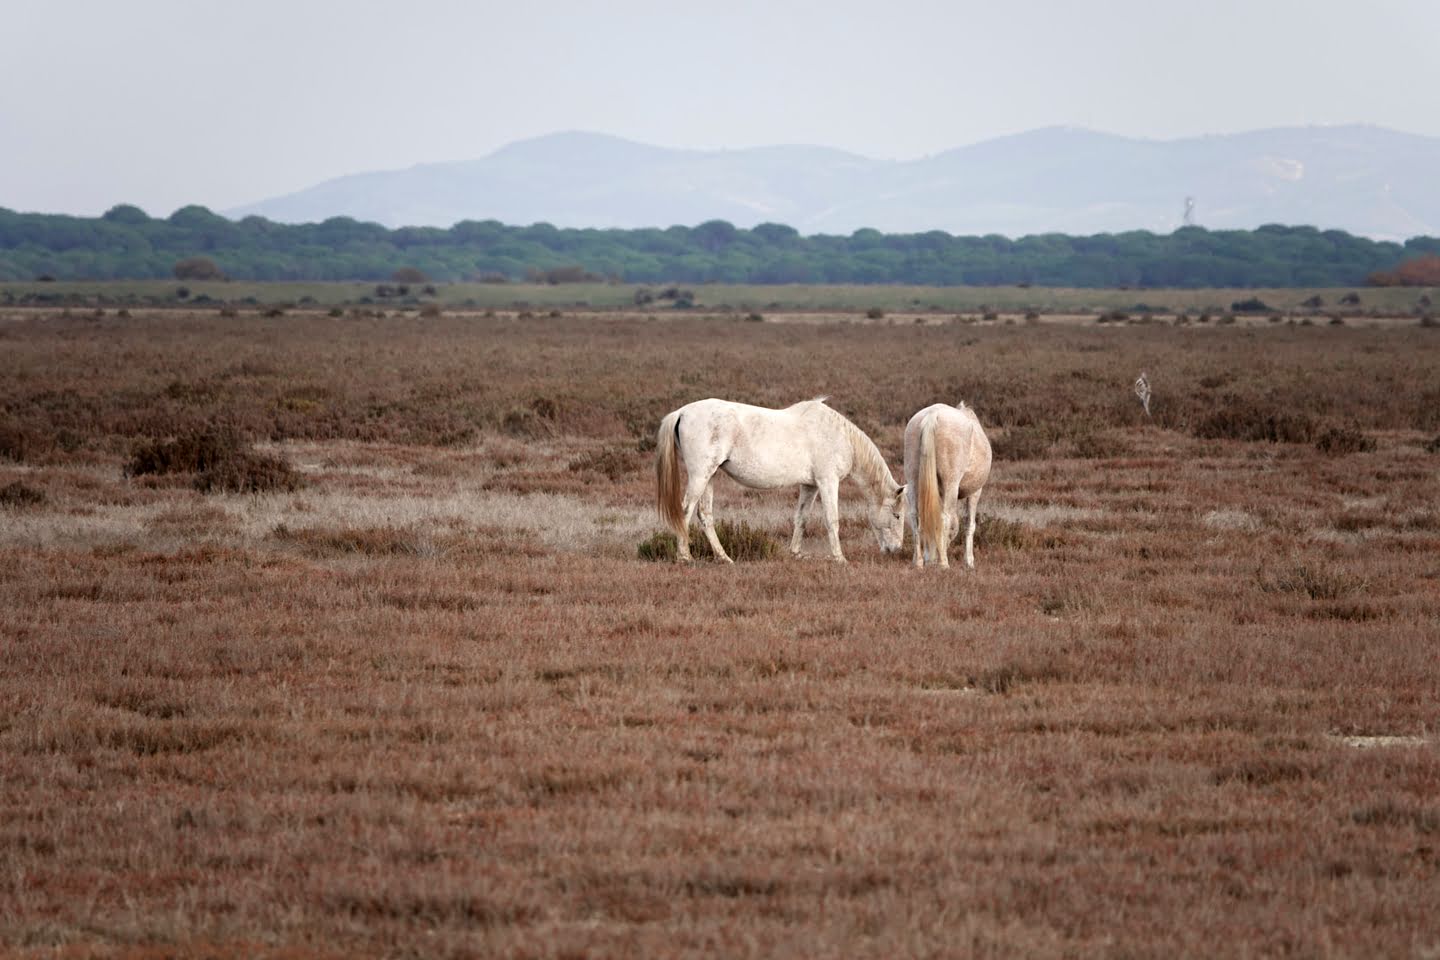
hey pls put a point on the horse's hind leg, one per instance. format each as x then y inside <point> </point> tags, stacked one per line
<point>807,497</point>
<point>972,504</point>
<point>707,520</point>
<point>948,522</point>
<point>695,487</point>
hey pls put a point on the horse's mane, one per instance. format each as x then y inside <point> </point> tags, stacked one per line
<point>868,463</point>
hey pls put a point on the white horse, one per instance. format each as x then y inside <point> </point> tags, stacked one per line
<point>806,445</point>
<point>947,459</point>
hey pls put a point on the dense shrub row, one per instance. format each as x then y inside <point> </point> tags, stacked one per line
<point>127,244</point>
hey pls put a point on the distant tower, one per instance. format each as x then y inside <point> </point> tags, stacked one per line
<point>1189,212</point>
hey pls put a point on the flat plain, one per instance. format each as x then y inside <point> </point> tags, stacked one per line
<point>419,696</point>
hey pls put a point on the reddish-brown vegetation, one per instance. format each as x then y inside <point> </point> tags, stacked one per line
<point>1422,271</point>
<point>432,703</point>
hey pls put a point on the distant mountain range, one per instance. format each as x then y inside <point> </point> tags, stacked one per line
<point>1366,180</point>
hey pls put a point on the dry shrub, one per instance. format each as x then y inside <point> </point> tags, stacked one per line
<point>1341,440</point>
<point>220,459</point>
<point>740,540</point>
<point>1263,771</point>
<point>1097,445</point>
<point>1241,420</point>
<point>366,541</point>
<point>613,463</point>
<point>1005,677</point>
<point>536,420</point>
<point>1350,611</point>
<point>1316,581</point>
<point>993,532</point>
<point>1389,813</point>
<point>23,442</point>
<point>1023,443</point>
<point>19,494</point>
<point>1427,410</point>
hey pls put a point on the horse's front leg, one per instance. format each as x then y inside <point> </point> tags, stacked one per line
<point>707,520</point>
<point>807,497</point>
<point>912,509</point>
<point>830,500</point>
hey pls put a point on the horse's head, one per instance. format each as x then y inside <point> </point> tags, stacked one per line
<point>887,520</point>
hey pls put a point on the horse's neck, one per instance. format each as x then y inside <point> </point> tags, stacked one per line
<point>867,465</point>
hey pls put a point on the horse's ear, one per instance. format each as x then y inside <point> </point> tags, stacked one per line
<point>900,493</point>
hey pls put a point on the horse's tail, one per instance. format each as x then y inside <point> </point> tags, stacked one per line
<point>669,492</point>
<point>927,493</point>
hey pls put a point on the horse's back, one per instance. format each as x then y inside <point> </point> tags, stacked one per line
<point>760,446</point>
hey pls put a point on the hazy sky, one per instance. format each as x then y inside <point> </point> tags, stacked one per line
<point>167,102</point>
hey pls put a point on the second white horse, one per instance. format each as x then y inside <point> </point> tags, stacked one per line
<point>947,459</point>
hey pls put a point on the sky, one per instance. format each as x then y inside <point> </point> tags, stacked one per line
<point>163,103</point>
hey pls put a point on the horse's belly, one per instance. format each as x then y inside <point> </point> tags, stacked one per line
<point>766,474</point>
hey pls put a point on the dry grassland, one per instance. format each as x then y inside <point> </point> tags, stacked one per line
<point>429,703</point>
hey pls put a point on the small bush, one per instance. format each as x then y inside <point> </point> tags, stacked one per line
<point>366,541</point>
<point>613,463</point>
<point>992,532</point>
<point>1313,303</point>
<point>875,313</point>
<point>430,311</point>
<point>1351,299</point>
<point>754,318</point>
<point>740,540</point>
<point>198,268</point>
<point>1023,443</point>
<point>1433,446</point>
<point>1337,321</point>
<point>1250,305</point>
<point>1238,420</point>
<point>1341,440</point>
<point>1094,445</point>
<point>220,459</point>
<point>1313,580</point>
<point>19,494</point>
<point>23,442</point>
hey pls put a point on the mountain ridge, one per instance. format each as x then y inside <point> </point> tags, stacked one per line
<point>1367,180</point>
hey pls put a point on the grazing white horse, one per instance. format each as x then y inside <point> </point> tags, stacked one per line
<point>947,459</point>
<point>806,445</point>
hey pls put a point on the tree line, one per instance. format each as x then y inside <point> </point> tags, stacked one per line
<point>126,243</point>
